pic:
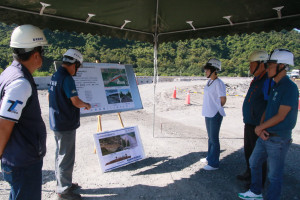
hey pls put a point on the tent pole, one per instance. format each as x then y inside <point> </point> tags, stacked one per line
<point>155,78</point>
<point>155,73</point>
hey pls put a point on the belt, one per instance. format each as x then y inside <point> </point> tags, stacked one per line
<point>273,135</point>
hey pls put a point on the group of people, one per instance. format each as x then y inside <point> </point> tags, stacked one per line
<point>270,112</point>
<point>22,129</point>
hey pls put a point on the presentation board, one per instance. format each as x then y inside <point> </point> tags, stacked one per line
<point>118,148</point>
<point>109,88</point>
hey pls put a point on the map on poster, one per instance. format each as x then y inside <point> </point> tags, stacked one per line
<point>109,88</point>
<point>118,148</point>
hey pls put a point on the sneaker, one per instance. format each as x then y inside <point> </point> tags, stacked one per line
<point>69,196</point>
<point>246,176</point>
<point>203,160</point>
<point>250,195</point>
<point>210,168</point>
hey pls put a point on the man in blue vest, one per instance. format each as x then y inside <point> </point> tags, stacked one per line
<point>254,106</point>
<point>275,131</point>
<point>64,118</point>
<point>22,130</point>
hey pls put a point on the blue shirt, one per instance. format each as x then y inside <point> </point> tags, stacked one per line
<point>63,115</point>
<point>268,84</point>
<point>285,92</point>
<point>69,87</point>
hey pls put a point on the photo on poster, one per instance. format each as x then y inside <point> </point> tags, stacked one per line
<point>112,96</point>
<point>125,95</point>
<point>114,77</point>
<point>117,143</point>
<point>118,148</point>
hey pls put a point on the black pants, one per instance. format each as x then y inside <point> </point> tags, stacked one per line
<point>249,143</point>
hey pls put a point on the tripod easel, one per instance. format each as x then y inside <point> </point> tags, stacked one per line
<point>99,125</point>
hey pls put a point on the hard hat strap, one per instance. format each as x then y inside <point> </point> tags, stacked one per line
<point>278,70</point>
<point>211,72</point>
<point>257,66</point>
<point>77,66</point>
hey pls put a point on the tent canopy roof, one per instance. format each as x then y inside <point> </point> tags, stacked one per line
<point>170,20</point>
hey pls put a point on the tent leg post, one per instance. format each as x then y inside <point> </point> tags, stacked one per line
<point>155,79</point>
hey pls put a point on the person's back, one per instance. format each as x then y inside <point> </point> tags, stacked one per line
<point>63,114</point>
<point>27,144</point>
<point>22,130</point>
<point>64,105</point>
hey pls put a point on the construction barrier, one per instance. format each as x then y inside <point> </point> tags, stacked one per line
<point>236,95</point>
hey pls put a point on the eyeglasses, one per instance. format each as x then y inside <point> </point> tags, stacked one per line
<point>40,49</point>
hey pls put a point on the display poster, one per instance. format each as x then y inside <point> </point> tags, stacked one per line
<point>118,148</point>
<point>109,88</point>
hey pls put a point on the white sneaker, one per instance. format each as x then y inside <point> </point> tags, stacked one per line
<point>250,195</point>
<point>203,160</point>
<point>209,168</point>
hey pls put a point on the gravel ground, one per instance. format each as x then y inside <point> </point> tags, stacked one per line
<point>172,169</point>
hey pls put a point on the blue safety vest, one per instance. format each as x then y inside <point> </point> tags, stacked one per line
<point>255,103</point>
<point>27,143</point>
<point>63,115</point>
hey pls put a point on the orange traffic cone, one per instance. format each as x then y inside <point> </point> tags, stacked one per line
<point>174,93</point>
<point>188,98</point>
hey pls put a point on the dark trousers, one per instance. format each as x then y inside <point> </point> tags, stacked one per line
<point>249,143</point>
<point>25,182</point>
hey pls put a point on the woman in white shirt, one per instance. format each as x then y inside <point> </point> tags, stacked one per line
<point>213,111</point>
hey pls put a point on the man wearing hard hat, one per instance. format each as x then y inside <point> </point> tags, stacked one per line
<point>275,131</point>
<point>64,105</point>
<point>22,130</point>
<point>254,106</point>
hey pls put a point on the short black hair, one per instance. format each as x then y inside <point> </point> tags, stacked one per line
<point>210,67</point>
<point>20,54</point>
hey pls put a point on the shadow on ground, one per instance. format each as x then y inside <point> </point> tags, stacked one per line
<point>48,175</point>
<point>208,185</point>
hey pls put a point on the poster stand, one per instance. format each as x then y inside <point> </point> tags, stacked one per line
<point>99,125</point>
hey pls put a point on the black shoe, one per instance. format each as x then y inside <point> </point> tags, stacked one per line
<point>74,186</point>
<point>69,196</point>
<point>244,177</point>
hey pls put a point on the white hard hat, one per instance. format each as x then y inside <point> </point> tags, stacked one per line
<point>73,53</point>
<point>282,56</point>
<point>258,55</point>
<point>27,37</point>
<point>215,63</point>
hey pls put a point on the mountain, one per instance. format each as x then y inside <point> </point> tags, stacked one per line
<point>174,58</point>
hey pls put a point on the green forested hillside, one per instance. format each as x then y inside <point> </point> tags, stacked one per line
<point>174,58</point>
